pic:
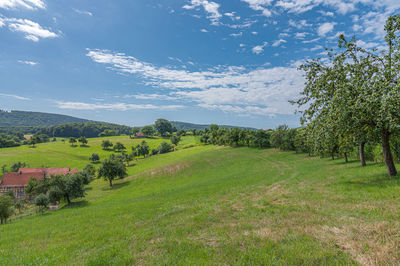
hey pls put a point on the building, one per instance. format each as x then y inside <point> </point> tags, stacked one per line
<point>140,136</point>
<point>17,181</point>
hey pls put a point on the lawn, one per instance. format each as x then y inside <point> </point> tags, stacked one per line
<point>213,205</point>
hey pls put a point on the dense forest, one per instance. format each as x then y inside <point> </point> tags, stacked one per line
<point>35,119</point>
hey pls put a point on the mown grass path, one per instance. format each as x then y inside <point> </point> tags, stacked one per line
<point>217,205</point>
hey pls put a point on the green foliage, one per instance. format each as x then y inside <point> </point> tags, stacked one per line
<point>143,149</point>
<point>163,126</point>
<point>42,201</point>
<point>112,169</point>
<point>83,141</point>
<point>72,141</point>
<point>165,147</point>
<point>148,130</point>
<point>6,210</point>
<point>108,133</point>
<point>119,147</point>
<point>106,144</point>
<point>175,139</point>
<point>94,158</point>
<point>135,130</point>
<point>16,166</point>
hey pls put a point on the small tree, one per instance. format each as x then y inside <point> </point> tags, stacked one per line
<point>6,209</point>
<point>83,141</point>
<point>175,139</point>
<point>42,201</point>
<point>68,187</point>
<point>135,130</point>
<point>148,130</point>
<point>112,169</point>
<point>106,144</point>
<point>20,204</point>
<point>4,168</point>
<point>119,147</point>
<point>94,158</point>
<point>165,147</point>
<point>90,169</point>
<point>143,149</point>
<point>72,141</point>
<point>15,166</point>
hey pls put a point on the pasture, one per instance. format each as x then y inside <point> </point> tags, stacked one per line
<point>212,205</point>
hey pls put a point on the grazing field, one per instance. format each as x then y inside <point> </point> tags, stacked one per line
<point>212,205</point>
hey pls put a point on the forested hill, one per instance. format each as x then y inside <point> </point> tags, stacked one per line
<point>190,126</point>
<point>35,119</point>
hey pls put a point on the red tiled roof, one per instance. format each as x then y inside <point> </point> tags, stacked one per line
<point>22,177</point>
<point>140,135</point>
<point>18,180</point>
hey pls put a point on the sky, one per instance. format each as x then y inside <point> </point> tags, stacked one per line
<point>130,62</point>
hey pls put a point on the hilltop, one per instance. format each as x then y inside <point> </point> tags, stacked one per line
<point>191,126</point>
<point>35,119</point>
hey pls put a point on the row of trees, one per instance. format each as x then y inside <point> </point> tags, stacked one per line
<point>354,96</point>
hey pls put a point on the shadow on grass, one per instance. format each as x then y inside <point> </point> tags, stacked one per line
<point>117,185</point>
<point>75,205</point>
<point>378,180</point>
<point>84,146</point>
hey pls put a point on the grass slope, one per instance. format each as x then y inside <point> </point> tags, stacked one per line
<point>216,205</point>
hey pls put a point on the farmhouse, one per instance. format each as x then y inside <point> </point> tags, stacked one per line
<point>140,136</point>
<point>17,181</point>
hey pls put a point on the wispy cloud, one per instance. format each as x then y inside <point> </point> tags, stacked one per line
<point>260,5</point>
<point>211,8</point>
<point>258,49</point>
<point>325,28</point>
<point>14,96</point>
<point>31,63</point>
<point>32,30</point>
<point>27,4</point>
<point>114,106</point>
<point>83,12</point>
<point>278,42</point>
<point>261,90</point>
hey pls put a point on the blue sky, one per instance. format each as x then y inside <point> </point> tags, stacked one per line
<point>201,61</point>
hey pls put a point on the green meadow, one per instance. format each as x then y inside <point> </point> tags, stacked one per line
<point>209,205</point>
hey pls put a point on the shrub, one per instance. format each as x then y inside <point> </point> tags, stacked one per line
<point>165,147</point>
<point>42,201</point>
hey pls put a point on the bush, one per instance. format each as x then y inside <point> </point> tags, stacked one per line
<point>6,204</point>
<point>42,201</point>
<point>94,158</point>
<point>165,147</point>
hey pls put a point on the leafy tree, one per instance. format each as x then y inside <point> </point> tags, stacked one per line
<point>165,147</point>
<point>181,132</point>
<point>20,204</point>
<point>90,169</point>
<point>214,127</point>
<point>119,147</point>
<point>94,158</point>
<point>83,141</point>
<point>4,168</point>
<point>175,139</point>
<point>143,149</point>
<point>6,204</point>
<point>42,201</point>
<point>148,130</point>
<point>68,187</point>
<point>112,169</point>
<point>106,144</point>
<point>135,130</point>
<point>16,166</point>
<point>34,140</point>
<point>36,187</point>
<point>163,126</point>
<point>72,141</point>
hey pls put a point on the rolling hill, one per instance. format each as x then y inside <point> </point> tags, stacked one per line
<point>36,119</point>
<point>190,126</point>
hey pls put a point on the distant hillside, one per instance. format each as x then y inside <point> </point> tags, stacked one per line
<point>190,126</point>
<point>35,119</point>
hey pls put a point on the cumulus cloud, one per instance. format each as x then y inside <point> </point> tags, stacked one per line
<point>325,28</point>
<point>114,106</point>
<point>211,8</point>
<point>278,42</point>
<point>32,30</point>
<point>257,91</point>
<point>26,4</point>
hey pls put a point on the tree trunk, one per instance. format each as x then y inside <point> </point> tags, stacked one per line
<point>333,156</point>
<point>68,200</point>
<point>387,154</point>
<point>362,155</point>
<point>345,157</point>
<point>110,183</point>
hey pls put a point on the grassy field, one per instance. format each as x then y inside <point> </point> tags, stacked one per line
<point>213,205</point>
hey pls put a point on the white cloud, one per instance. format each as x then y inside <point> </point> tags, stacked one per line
<point>236,34</point>
<point>114,106</point>
<point>204,30</point>
<point>311,41</point>
<point>83,12</point>
<point>32,30</point>
<point>258,49</point>
<point>278,42</point>
<point>301,24</point>
<point>31,63</point>
<point>27,4</point>
<point>315,48</point>
<point>211,8</point>
<point>254,32</point>
<point>153,96</point>
<point>15,97</point>
<point>258,91</point>
<point>300,35</point>
<point>260,5</point>
<point>325,28</point>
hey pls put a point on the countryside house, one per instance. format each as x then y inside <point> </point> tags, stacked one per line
<point>17,181</point>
